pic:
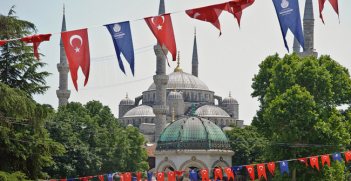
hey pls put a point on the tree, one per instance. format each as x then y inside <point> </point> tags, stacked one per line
<point>298,99</point>
<point>18,66</point>
<point>25,144</point>
<point>97,142</point>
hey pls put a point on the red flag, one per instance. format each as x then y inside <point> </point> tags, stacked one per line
<point>304,160</point>
<point>314,161</point>
<point>161,26</point>
<point>250,169</point>
<point>348,156</point>
<point>160,176</point>
<point>271,167</point>
<point>60,180</point>
<point>77,50</point>
<point>218,173</point>
<point>261,170</point>
<point>122,177</point>
<point>36,40</point>
<point>334,3</point>
<point>230,173</point>
<point>2,42</point>
<point>171,176</point>
<point>138,176</point>
<point>325,158</point>
<point>204,175</point>
<point>208,14</point>
<point>101,177</point>
<point>179,173</point>
<point>127,176</point>
<point>86,178</point>
<point>236,8</point>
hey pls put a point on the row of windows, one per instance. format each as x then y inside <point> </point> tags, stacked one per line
<point>222,122</point>
<point>188,96</point>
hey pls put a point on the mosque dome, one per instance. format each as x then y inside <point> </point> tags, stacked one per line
<point>229,100</point>
<point>126,101</point>
<point>211,111</point>
<point>174,95</point>
<point>193,133</point>
<point>140,111</point>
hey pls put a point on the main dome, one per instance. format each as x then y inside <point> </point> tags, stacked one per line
<point>193,133</point>
<point>182,80</point>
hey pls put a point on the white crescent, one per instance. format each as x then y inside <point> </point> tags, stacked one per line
<point>159,174</point>
<point>196,14</point>
<point>313,159</point>
<point>152,19</point>
<point>249,169</point>
<point>261,167</point>
<point>74,37</point>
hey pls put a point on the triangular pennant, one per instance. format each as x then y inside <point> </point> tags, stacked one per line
<point>271,167</point>
<point>179,173</point>
<point>138,176</point>
<point>314,162</point>
<point>348,156</point>
<point>230,173</point>
<point>110,177</point>
<point>325,158</point>
<point>337,156</point>
<point>149,176</point>
<point>101,177</point>
<point>2,42</point>
<point>204,175</point>
<point>127,176</point>
<point>160,176</point>
<point>261,170</point>
<point>304,160</point>
<point>251,170</point>
<point>193,175</point>
<point>85,178</point>
<point>284,166</point>
<point>334,3</point>
<point>36,40</point>
<point>171,176</point>
<point>236,169</point>
<point>218,173</point>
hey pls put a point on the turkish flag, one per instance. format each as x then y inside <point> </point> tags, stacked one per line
<point>204,175</point>
<point>261,170</point>
<point>304,160</point>
<point>86,178</point>
<point>127,176</point>
<point>2,42</point>
<point>36,40</point>
<point>334,3</point>
<point>348,156</point>
<point>122,177</point>
<point>101,177</point>
<point>230,173</point>
<point>179,173</point>
<point>160,176</point>
<point>161,26</point>
<point>271,167</point>
<point>236,7</point>
<point>138,175</point>
<point>250,169</point>
<point>77,50</point>
<point>171,176</point>
<point>60,180</point>
<point>208,14</point>
<point>314,161</point>
<point>325,158</point>
<point>218,173</point>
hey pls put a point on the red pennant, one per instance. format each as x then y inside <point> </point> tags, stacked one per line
<point>171,176</point>
<point>204,175</point>
<point>179,173</point>
<point>250,169</point>
<point>348,156</point>
<point>127,176</point>
<point>314,162</point>
<point>138,176</point>
<point>60,180</point>
<point>36,40</point>
<point>334,3</point>
<point>325,158</point>
<point>2,42</point>
<point>218,173</point>
<point>271,167</point>
<point>236,7</point>
<point>229,172</point>
<point>161,26</point>
<point>261,170</point>
<point>101,177</point>
<point>86,178</point>
<point>122,177</point>
<point>208,14</point>
<point>160,176</point>
<point>77,50</point>
<point>304,160</point>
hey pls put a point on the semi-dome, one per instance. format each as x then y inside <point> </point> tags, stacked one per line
<point>193,133</point>
<point>140,111</point>
<point>174,95</point>
<point>126,101</point>
<point>229,100</point>
<point>211,111</point>
<point>182,80</point>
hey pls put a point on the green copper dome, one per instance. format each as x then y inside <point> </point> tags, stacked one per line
<point>193,133</point>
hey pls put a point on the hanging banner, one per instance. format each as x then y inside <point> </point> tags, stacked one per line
<point>261,170</point>
<point>271,167</point>
<point>325,158</point>
<point>304,160</point>
<point>171,176</point>
<point>236,169</point>
<point>149,176</point>
<point>230,173</point>
<point>160,176</point>
<point>204,175</point>
<point>334,3</point>
<point>193,175</point>
<point>236,8</point>
<point>36,40</point>
<point>218,173</point>
<point>284,167</point>
<point>250,169</point>
<point>2,42</point>
<point>337,156</point>
<point>314,162</point>
<point>101,177</point>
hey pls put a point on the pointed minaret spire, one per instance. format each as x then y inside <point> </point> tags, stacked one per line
<point>162,9</point>
<point>308,30</point>
<point>308,14</point>
<point>63,93</point>
<point>296,46</point>
<point>195,61</point>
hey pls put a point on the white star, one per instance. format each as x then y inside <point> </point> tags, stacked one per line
<point>77,49</point>
<point>159,27</point>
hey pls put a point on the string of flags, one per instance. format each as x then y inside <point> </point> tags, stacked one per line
<point>76,42</point>
<point>230,171</point>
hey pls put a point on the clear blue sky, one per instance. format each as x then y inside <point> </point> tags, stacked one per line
<point>227,63</point>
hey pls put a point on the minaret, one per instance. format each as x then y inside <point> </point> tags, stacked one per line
<point>296,46</point>
<point>195,62</point>
<point>160,79</point>
<point>63,93</point>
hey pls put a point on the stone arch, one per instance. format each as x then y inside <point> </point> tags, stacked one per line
<point>222,122</point>
<point>222,164</point>
<point>190,163</point>
<point>164,164</point>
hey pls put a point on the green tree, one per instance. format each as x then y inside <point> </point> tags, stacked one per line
<point>18,66</point>
<point>83,128</point>
<point>22,119</point>
<point>298,99</point>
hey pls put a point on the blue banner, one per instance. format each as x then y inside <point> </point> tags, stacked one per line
<point>149,176</point>
<point>193,175</point>
<point>122,39</point>
<point>236,169</point>
<point>284,166</point>
<point>288,13</point>
<point>337,156</point>
<point>109,177</point>
<point>71,179</point>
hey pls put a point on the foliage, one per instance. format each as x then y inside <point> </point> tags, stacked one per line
<point>298,99</point>
<point>84,127</point>
<point>16,109</point>
<point>18,66</point>
<point>17,176</point>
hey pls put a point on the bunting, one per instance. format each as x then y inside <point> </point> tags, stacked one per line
<point>193,175</point>
<point>236,169</point>
<point>171,176</point>
<point>121,177</point>
<point>250,169</point>
<point>334,3</point>
<point>337,156</point>
<point>138,174</point>
<point>2,42</point>
<point>325,158</point>
<point>204,175</point>
<point>284,167</point>
<point>110,177</point>
<point>179,173</point>
<point>85,178</point>
<point>304,160</point>
<point>160,176</point>
<point>314,162</point>
<point>348,156</point>
<point>271,167</point>
<point>127,176</point>
<point>149,176</point>
<point>218,173</point>
<point>36,40</point>
<point>101,177</point>
<point>261,170</point>
<point>236,7</point>
<point>230,173</point>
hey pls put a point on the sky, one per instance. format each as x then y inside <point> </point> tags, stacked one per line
<point>226,63</point>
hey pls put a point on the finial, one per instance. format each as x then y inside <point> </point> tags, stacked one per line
<point>195,31</point>
<point>173,115</point>
<point>64,8</point>
<point>178,69</point>
<point>127,95</point>
<point>193,110</point>
<point>175,89</point>
<point>230,93</point>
